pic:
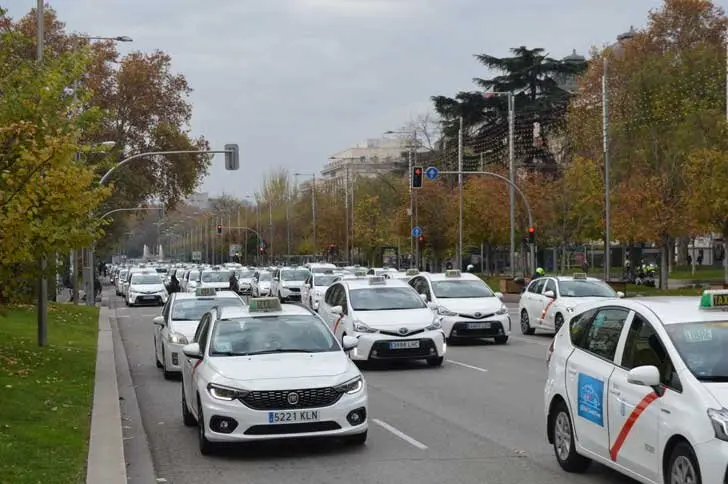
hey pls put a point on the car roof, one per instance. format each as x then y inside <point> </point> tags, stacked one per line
<point>291,309</point>
<point>363,282</point>
<point>680,309</point>
<point>440,276</point>
<point>218,295</point>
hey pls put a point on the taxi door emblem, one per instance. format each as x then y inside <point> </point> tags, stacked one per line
<point>403,331</point>
<point>478,315</point>
<point>292,398</point>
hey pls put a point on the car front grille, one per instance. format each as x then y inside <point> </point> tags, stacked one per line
<point>295,428</point>
<point>278,399</point>
<point>397,333</point>
<point>480,315</point>
<point>461,330</point>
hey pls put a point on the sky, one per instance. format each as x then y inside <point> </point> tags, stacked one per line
<point>294,81</point>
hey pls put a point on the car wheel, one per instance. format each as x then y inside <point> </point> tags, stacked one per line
<point>564,444</point>
<point>526,324</point>
<point>167,374</point>
<point>558,322</point>
<point>501,340</point>
<point>437,361</point>
<point>358,439</point>
<point>187,417</point>
<point>683,467</point>
<point>206,447</point>
<point>156,357</point>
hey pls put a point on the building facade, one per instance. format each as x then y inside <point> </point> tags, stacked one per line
<point>199,200</point>
<point>370,158</point>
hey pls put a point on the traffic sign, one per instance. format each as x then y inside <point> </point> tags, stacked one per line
<point>432,173</point>
<point>416,231</point>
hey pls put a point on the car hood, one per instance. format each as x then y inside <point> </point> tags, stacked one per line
<point>216,285</point>
<point>472,305</point>
<point>275,371</point>
<point>185,327</point>
<point>146,288</point>
<point>292,283</point>
<point>264,283</point>
<point>397,318</point>
<point>576,301</point>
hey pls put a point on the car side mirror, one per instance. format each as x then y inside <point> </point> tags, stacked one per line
<point>646,376</point>
<point>159,320</point>
<point>550,294</point>
<point>423,296</point>
<point>620,294</point>
<point>349,343</point>
<point>432,305</point>
<point>499,295</point>
<point>192,350</point>
<point>337,310</point>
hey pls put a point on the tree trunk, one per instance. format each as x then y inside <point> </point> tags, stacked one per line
<point>682,251</point>
<point>665,262</point>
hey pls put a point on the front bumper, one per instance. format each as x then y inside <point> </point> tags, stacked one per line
<point>255,425</point>
<point>457,327</point>
<point>244,288</point>
<point>147,299</point>
<point>290,293</point>
<point>713,460</point>
<point>377,346</point>
<point>173,357</point>
<point>264,291</point>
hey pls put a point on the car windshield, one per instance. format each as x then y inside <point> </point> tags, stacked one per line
<point>325,280</point>
<point>322,270</point>
<point>216,276</point>
<point>194,275</point>
<point>244,274</point>
<point>265,276</point>
<point>297,275</point>
<point>145,279</point>
<point>272,334</point>
<point>703,346</point>
<point>123,274</point>
<point>460,289</point>
<point>161,270</point>
<point>585,289</point>
<point>194,309</point>
<point>385,298</point>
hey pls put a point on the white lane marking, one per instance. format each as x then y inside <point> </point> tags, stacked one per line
<point>400,434</point>
<point>465,365</point>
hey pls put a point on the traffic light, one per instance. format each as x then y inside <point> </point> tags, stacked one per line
<point>421,239</point>
<point>232,157</point>
<point>531,235</point>
<point>417,177</point>
<point>219,229</point>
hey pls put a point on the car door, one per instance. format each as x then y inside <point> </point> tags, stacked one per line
<point>546,318</point>
<point>342,324</point>
<point>307,291</point>
<point>588,369</point>
<point>159,331</point>
<point>326,305</point>
<point>190,364</point>
<point>532,299</point>
<point>635,410</point>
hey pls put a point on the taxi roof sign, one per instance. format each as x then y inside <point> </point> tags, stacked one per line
<point>714,299</point>
<point>581,276</point>
<point>453,273</point>
<point>377,281</point>
<point>264,305</point>
<point>205,291</point>
<point>360,273</point>
<point>411,272</point>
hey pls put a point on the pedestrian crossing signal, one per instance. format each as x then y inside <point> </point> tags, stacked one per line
<point>532,235</point>
<point>219,229</point>
<point>417,177</point>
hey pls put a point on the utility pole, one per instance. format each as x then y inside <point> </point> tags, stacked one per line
<point>460,195</point>
<point>43,281</point>
<point>288,221</point>
<point>346,211</point>
<point>410,161</point>
<point>270,227</point>
<point>605,147</point>
<point>512,177</point>
<point>313,214</point>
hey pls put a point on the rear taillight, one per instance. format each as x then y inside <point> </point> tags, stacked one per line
<point>550,352</point>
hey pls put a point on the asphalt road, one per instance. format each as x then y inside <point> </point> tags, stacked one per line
<point>478,419</point>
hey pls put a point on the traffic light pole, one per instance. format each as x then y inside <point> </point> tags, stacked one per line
<point>532,246</point>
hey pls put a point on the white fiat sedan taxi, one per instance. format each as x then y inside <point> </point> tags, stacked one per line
<point>271,371</point>
<point>641,386</point>
<point>390,320</point>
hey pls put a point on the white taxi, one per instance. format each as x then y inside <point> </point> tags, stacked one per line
<point>388,317</point>
<point>641,386</point>
<point>146,288</point>
<point>178,322</point>
<point>314,288</point>
<point>468,306</point>
<point>271,371</point>
<point>549,301</point>
<point>216,278</point>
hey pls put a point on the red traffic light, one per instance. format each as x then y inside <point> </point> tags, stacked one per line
<point>531,230</point>
<point>421,238</point>
<point>418,171</point>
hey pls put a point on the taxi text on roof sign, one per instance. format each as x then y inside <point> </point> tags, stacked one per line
<point>412,272</point>
<point>360,273</point>
<point>205,291</point>
<point>265,305</point>
<point>452,273</point>
<point>715,299</point>
<point>377,281</point>
<point>580,276</point>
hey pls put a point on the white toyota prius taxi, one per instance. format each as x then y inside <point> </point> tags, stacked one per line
<point>641,386</point>
<point>389,319</point>
<point>271,371</point>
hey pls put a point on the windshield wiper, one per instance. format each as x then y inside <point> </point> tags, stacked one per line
<point>280,350</point>
<point>714,379</point>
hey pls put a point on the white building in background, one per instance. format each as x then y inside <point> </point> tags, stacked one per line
<point>199,200</point>
<point>370,158</point>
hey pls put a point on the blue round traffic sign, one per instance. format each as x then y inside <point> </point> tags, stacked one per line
<point>416,231</point>
<point>432,173</point>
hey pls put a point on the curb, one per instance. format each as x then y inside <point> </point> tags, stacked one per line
<point>106,463</point>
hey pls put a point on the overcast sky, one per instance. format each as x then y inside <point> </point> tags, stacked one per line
<point>293,81</point>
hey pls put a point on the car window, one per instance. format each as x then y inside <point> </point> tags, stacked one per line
<point>586,289</point>
<point>265,276</point>
<point>461,289</point>
<point>216,276</point>
<point>604,332</point>
<point>536,286</point>
<point>551,286</point>
<point>194,309</point>
<point>294,275</point>
<point>703,347</point>
<point>325,280</point>
<point>644,347</point>
<point>198,332</point>
<point>579,326</point>
<point>385,298</point>
<point>146,279</point>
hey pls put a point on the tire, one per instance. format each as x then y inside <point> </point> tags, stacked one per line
<point>683,463</point>
<point>501,340</point>
<point>357,439</point>
<point>564,442</point>
<point>526,324</point>
<point>436,362</point>
<point>159,363</point>
<point>206,447</point>
<point>168,375</point>
<point>187,417</point>
<point>558,322</point>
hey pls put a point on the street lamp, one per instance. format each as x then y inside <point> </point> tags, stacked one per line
<point>313,206</point>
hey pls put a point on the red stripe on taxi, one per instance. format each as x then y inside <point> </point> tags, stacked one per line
<point>627,427</point>
<point>336,325</point>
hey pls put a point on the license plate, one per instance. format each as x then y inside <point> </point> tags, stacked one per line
<point>148,298</point>
<point>295,416</point>
<point>404,345</point>
<point>478,325</point>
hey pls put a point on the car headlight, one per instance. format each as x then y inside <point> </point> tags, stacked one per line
<point>443,311</point>
<point>352,386</point>
<point>719,420</point>
<point>228,394</point>
<point>436,324</point>
<point>361,327</point>
<point>503,310</point>
<point>177,338</point>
